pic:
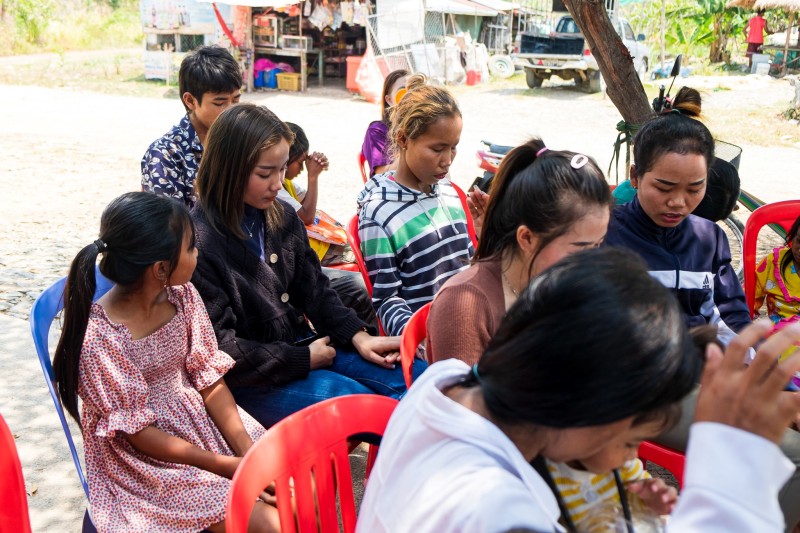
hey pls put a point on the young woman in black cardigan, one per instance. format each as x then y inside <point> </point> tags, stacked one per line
<point>262,283</point>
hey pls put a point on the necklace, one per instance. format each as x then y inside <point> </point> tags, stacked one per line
<point>250,229</point>
<point>510,286</point>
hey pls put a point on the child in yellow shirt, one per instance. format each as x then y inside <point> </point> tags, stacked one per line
<point>778,281</point>
<point>325,235</point>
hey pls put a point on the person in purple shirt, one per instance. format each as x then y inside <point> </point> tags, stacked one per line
<point>209,82</point>
<point>376,146</point>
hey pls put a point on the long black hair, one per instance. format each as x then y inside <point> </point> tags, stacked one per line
<point>541,189</point>
<point>137,230</point>
<point>593,340</point>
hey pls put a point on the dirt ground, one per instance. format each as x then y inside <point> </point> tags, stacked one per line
<point>65,153</point>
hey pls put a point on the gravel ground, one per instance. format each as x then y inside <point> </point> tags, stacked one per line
<point>64,155</point>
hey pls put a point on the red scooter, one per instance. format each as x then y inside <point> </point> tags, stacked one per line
<point>488,160</point>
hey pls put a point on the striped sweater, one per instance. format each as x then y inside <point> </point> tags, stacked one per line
<point>412,243</point>
<point>592,499</point>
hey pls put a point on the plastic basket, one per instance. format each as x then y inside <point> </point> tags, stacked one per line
<point>288,81</point>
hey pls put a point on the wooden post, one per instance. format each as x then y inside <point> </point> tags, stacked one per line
<point>616,65</point>
<point>786,48</point>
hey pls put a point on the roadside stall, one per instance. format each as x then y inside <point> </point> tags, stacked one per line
<point>289,40</point>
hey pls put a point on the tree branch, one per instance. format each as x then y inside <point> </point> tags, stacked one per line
<point>624,86</point>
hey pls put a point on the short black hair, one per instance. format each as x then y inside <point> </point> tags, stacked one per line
<point>675,131</point>
<point>208,69</point>
<point>300,144</point>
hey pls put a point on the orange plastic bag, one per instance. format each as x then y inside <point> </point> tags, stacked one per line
<point>369,78</point>
<point>326,229</point>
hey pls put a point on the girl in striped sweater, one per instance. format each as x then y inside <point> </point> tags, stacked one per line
<point>412,225</point>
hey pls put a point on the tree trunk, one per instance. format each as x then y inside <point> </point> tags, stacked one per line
<point>624,86</point>
<point>719,44</point>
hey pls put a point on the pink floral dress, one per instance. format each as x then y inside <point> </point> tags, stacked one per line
<point>127,385</point>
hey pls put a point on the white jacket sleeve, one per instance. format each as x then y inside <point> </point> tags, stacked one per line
<point>731,483</point>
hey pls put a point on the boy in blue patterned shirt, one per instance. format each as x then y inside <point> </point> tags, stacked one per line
<point>209,82</point>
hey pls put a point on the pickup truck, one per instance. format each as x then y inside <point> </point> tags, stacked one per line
<point>563,53</point>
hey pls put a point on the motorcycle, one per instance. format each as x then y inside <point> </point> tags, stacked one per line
<point>489,160</point>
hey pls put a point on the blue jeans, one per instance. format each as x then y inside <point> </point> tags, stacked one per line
<point>349,374</point>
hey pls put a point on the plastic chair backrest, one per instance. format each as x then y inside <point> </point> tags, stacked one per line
<point>44,310</point>
<point>355,245</point>
<point>470,223</point>
<point>783,213</point>
<point>363,167</point>
<point>413,334</point>
<point>668,458</point>
<point>13,500</point>
<point>308,449</point>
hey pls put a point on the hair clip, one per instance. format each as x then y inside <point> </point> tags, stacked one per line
<point>400,94</point>
<point>541,151</point>
<point>578,161</point>
<point>101,246</point>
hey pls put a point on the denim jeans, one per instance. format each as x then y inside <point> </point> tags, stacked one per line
<point>349,374</point>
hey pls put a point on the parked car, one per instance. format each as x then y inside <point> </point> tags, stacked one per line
<point>564,53</point>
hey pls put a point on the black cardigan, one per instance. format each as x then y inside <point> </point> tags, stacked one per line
<point>243,296</point>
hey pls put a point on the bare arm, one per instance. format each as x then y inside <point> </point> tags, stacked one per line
<point>222,409</point>
<point>315,163</point>
<point>162,446</point>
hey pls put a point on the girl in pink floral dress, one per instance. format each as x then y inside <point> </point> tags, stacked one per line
<point>162,433</point>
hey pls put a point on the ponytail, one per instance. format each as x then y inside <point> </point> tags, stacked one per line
<point>546,190</point>
<point>137,230</point>
<point>688,103</point>
<point>515,161</point>
<point>78,295</point>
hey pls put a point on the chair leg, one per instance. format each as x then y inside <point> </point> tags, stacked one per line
<point>88,526</point>
<point>372,454</point>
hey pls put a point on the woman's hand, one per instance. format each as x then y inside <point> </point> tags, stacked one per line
<point>751,398</point>
<point>656,495</point>
<point>322,353</point>
<point>476,201</point>
<point>316,162</point>
<point>383,351</point>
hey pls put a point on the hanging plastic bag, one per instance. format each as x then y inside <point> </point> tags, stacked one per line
<point>360,13</point>
<point>337,18</point>
<point>321,17</point>
<point>307,8</point>
<point>347,12</point>
<point>369,79</point>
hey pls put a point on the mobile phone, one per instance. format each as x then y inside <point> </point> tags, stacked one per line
<point>305,341</point>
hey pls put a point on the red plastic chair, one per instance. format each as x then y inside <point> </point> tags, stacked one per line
<point>308,449</point>
<point>470,223</point>
<point>783,213</point>
<point>668,458</point>
<point>355,244</point>
<point>414,333</point>
<point>363,167</point>
<point>13,500</point>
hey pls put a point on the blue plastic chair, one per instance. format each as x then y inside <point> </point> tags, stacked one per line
<point>44,310</point>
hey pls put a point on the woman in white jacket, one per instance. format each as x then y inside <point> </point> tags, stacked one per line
<point>586,358</point>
